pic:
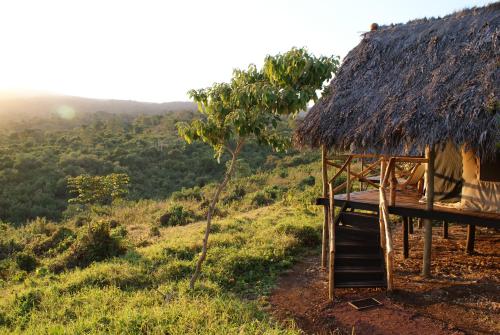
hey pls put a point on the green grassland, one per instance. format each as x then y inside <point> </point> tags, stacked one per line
<point>125,268</point>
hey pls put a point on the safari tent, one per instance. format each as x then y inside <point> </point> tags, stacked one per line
<point>413,115</point>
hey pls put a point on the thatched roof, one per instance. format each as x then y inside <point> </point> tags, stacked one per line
<point>410,85</point>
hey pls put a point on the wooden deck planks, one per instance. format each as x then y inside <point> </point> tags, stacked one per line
<point>407,204</point>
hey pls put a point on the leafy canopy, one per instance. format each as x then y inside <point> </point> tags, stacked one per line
<point>251,104</point>
<point>98,189</point>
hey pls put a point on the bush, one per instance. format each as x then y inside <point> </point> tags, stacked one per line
<point>194,193</point>
<point>154,231</point>
<point>308,181</point>
<point>308,236</point>
<point>8,248</point>
<point>27,302</point>
<point>283,173</point>
<point>55,242</point>
<point>176,216</point>
<point>237,193</point>
<point>26,261</point>
<point>268,196</point>
<point>94,246</point>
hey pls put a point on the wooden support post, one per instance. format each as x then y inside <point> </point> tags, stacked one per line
<point>426,261</point>
<point>406,223</point>
<point>331,263</point>
<point>471,236</point>
<point>383,165</point>
<point>361,184</point>
<point>393,183</point>
<point>420,223</point>
<point>348,191</point>
<point>445,229</point>
<point>410,225</point>
<point>324,246</point>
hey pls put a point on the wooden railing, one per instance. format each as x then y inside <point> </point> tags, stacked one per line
<point>332,190</point>
<point>387,178</point>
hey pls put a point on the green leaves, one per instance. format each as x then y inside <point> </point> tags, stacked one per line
<point>98,189</point>
<point>251,104</point>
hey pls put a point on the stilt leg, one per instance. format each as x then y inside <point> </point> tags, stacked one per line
<point>445,229</point>
<point>471,236</point>
<point>406,222</point>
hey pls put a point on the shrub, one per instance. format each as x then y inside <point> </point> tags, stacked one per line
<point>26,262</point>
<point>28,301</point>
<point>194,193</point>
<point>154,231</point>
<point>283,173</point>
<point>176,216</point>
<point>94,246</point>
<point>80,221</point>
<point>120,232</point>
<point>268,196</point>
<point>55,241</point>
<point>308,236</point>
<point>308,181</point>
<point>8,248</point>
<point>41,226</point>
<point>237,193</point>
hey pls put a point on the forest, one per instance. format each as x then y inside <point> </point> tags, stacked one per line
<point>36,162</point>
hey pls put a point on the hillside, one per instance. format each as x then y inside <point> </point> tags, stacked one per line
<point>35,163</point>
<point>44,111</point>
<point>56,281</point>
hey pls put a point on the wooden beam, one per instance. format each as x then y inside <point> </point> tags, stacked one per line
<point>410,225</point>
<point>324,246</point>
<point>445,229</point>
<point>340,170</point>
<point>406,223</point>
<point>426,261</point>
<point>471,236</point>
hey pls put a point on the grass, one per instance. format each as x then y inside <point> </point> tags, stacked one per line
<point>145,290</point>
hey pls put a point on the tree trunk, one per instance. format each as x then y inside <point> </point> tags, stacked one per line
<point>211,209</point>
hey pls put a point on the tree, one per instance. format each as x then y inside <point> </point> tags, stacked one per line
<point>250,107</point>
<point>98,189</point>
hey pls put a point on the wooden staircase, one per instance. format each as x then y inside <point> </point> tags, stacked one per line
<point>359,259</point>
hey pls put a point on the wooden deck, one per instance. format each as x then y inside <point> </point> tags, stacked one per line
<point>407,204</point>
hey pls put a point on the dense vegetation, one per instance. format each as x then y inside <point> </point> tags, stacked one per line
<point>136,257</point>
<point>35,163</point>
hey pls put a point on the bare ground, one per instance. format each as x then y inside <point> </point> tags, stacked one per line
<point>463,296</point>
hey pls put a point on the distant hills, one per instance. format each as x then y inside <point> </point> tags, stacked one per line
<point>29,110</point>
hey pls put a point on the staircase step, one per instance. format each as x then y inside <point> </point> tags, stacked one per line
<point>356,273</point>
<point>356,231</point>
<point>359,260</point>
<point>362,220</point>
<point>360,284</point>
<point>357,247</point>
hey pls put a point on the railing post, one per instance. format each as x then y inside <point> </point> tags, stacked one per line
<point>393,183</point>
<point>331,264</point>
<point>324,246</point>
<point>348,193</point>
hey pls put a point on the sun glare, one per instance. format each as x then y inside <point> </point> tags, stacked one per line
<point>66,112</point>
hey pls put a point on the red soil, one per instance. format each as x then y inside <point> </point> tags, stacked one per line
<point>463,297</point>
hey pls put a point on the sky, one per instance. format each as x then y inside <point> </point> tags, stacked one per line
<point>158,50</point>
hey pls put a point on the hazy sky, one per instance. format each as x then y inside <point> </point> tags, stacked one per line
<point>158,50</point>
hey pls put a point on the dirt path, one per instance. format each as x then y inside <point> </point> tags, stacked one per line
<point>462,298</point>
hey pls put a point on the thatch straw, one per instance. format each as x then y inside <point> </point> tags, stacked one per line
<point>416,84</point>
